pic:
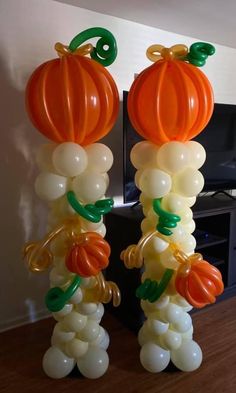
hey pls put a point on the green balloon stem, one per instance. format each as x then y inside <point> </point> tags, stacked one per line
<point>151,290</point>
<point>90,212</point>
<point>166,220</point>
<point>103,56</point>
<point>56,298</point>
<point>199,52</point>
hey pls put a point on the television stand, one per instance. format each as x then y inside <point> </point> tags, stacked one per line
<point>223,192</point>
<point>215,234</point>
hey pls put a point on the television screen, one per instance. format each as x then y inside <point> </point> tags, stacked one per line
<point>218,139</point>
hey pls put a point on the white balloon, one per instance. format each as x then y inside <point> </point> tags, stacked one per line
<point>90,332</point>
<point>156,326</point>
<point>190,201</point>
<point>100,157</point>
<point>77,297</point>
<point>98,314</point>
<point>44,157</point>
<point>172,313</point>
<point>154,358</point>
<point>69,159</point>
<point>99,338</point>
<point>89,226</point>
<point>173,157</point>
<point>94,364</point>
<point>154,183</point>
<point>188,357</point>
<point>104,343</point>
<point>188,182</point>
<point>197,153</point>
<point>144,154</point>
<point>89,186</point>
<point>171,340</point>
<point>56,364</point>
<point>188,245</point>
<point>174,203</point>
<point>64,311</point>
<point>183,324</point>
<point>74,321</point>
<point>60,334</point>
<point>190,226</point>
<point>101,230</point>
<point>87,308</point>
<point>49,186</point>
<point>76,348</point>
<point>186,215</point>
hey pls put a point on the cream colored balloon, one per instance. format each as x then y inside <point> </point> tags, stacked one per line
<point>61,334</point>
<point>172,202</point>
<point>172,313</point>
<point>44,157</point>
<point>94,363</point>
<point>76,348</point>
<point>101,230</point>
<point>156,326</point>
<point>144,154</point>
<point>98,314</point>
<point>178,234</point>
<point>173,156</point>
<point>186,215</point>
<point>183,324</point>
<point>74,321</point>
<point>90,226</point>
<point>190,226</point>
<point>188,357</point>
<point>77,297</point>
<point>190,201</point>
<point>89,187</point>
<point>104,343</point>
<point>69,159</point>
<point>154,358</point>
<point>57,364</point>
<point>50,186</point>
<point>197,153</point>
<point>90,331</point>
<point>64,311</point>
<point>188,245</point>
<point>188,182</point>
<point>87,308</point>
<point>100,157</point>
<point>154,183</point>
<point>137,176</point>
<point>171,340</point>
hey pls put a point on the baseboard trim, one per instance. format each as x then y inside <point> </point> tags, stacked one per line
<point>23,320</point>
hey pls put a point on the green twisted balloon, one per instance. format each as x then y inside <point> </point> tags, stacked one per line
<point>101,55</point>
<point>199,52</point>
<point>91,212</point>
<point>151,290</point>
<point>56,298</point>
<point>166,219</point>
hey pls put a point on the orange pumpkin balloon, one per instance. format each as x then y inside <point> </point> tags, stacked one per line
<point>170,101</point>
<point>72,98</point>
<point>88,255</point>
<point>200,283</point>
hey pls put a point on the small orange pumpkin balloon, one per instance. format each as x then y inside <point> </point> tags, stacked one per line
<point>170,101</point>
<point>89,255</point>
<point>72,98</point>
<point>198,281</point>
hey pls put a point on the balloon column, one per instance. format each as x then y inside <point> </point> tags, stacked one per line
<point>73,101</point>
<point>169,103</point>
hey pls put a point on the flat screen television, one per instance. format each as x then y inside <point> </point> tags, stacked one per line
<point>218,139</point>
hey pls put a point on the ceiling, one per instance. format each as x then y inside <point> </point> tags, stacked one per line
<point>208,20</point>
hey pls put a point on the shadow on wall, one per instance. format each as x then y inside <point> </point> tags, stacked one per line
<point>23,217</point>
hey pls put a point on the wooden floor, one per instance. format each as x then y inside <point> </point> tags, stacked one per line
<point>21,351</point>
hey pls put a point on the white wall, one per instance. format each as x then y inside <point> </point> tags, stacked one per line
<point>28,31</point>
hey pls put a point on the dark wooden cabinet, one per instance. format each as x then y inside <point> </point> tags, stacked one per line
<point>215,234</point>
